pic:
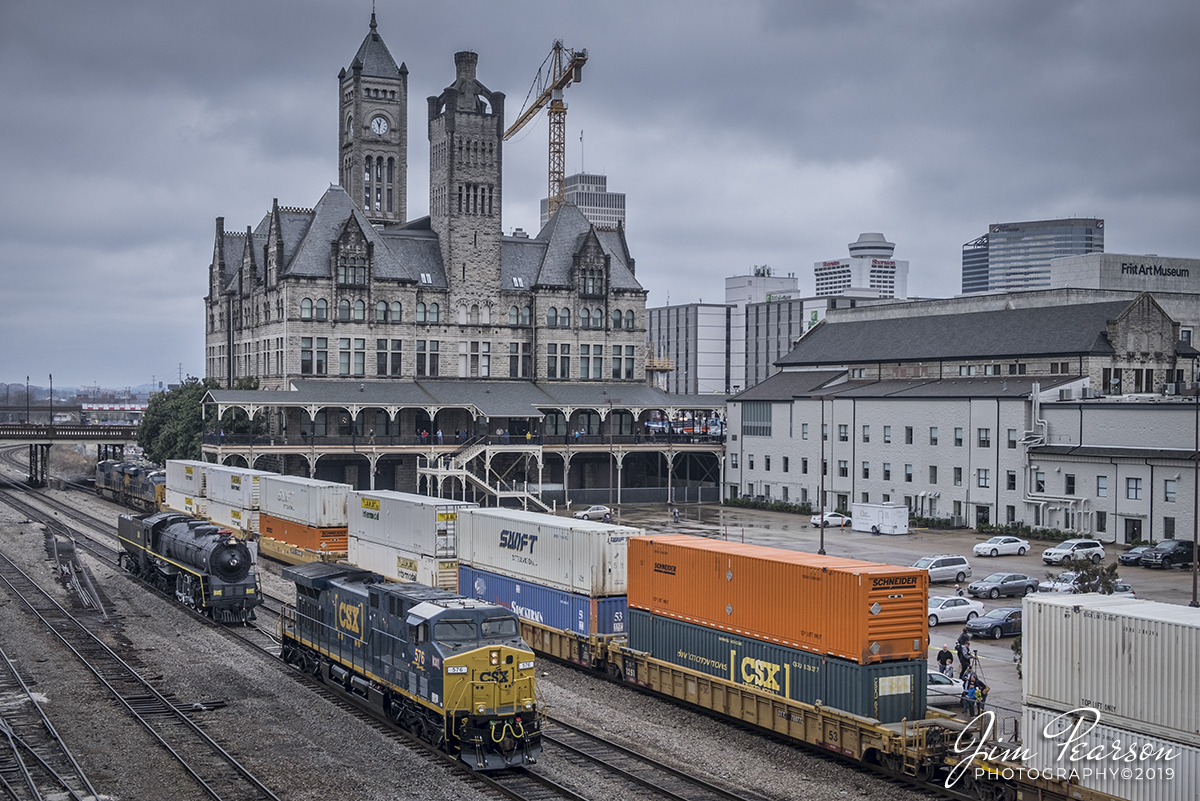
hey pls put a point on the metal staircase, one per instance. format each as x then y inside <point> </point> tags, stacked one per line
<point>457,466</point>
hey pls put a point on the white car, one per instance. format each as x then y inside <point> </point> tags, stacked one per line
<point>943,690</point>
<point>953,609</point>
<point>594,513</point>
<point>1065,582</point>
<point>1074,549</point>
<point>832,519</point>
<point>998,546</point>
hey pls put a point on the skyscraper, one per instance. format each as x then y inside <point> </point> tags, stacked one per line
<point>590,193</point>
<point>1015,256</point>
<point>870,272</point>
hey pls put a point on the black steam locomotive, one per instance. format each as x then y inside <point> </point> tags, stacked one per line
<point>201,565</point>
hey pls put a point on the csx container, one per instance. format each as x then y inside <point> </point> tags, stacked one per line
<point>234,486</point>
<point>855,610</point>
<point>320,540</point>
<point>546,606</point>
<point>571,555</point>
<point>1110,769</point>
<point>229,515</point>
<point>1138,662</point>
<point>319,504</point>
<point>187,476</point>
<point>418,524</point>
<point>183,502</point>
<point>401,565</point>
<point>886,691</point>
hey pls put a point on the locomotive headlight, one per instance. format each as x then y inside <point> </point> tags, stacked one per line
<point>525,665</point>
<point>529,704</point>
<point>456,669</point>
<point>494,658</point>
<point>480,709</point>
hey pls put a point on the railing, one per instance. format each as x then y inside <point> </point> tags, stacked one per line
<point>446,446</point>
<point>32,431</point>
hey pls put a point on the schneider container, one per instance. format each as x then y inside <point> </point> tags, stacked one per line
<point>1138,662</point>
<point>400,565</point>
<point>234,486</point>
<point>855,610</point>
<point>887,691</point>
<point>187,476</point>
<point>571,555</point>
<point>321,540</point>
<point>308,501</point>
<point>546,606</point>
<point>418,524</point>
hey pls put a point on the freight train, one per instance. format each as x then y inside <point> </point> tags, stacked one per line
<point>452,670</point>
<point>204,567</point>
<point>131,485</point>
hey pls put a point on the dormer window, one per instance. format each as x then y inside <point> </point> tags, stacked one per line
<point>352,270</point>
<point>592,282</point>
<point>518,282</point>
<point>426,278</point>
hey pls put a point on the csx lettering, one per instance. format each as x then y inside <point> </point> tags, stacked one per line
<point>760,673</point>
<point>517,540</point>
<point>348,615</point>
<point>499,675</point>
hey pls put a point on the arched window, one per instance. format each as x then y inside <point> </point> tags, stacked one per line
<point>485,315</point>
<point>462,315</point>
<point>433,312</point>
<point>322,309</point>
<point>597,318</point>
<point>514,315</point>
<point>367,172</point>
<point>391,167</point>
<point>306,309</point>
<point>381,312</point>
<point>629,318</point>
<point>585,318</point>
<point>350,126</point>
<point>395,311</point>
<point>564,318</point>
<point>420,312</point>
<point>617,318</point>
<point>343,309</point>
<point>473,316</point>
<point>360,310</point>
<point>552,317</point>
<point>526,315</point>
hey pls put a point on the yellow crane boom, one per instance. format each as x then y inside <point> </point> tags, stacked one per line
<point>560,69</point>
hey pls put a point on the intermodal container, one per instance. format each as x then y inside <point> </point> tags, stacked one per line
<point>187,476</point>
<point>546,606</point>
<point>183,502</point>
<point>234,486</point>
<point>418,524</point>
<point>322,540</point>
<point>225,514</point>
<point>399,565</point>
<point>861,611</point>
<point>1130,659</point>
<point>576,556</point>
<point>1120,762</point>
<point>886,691</point>
<point>308,501</point>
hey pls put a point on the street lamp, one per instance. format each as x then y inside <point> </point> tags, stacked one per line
<point>822,399</point>
<point>1196,491</point>
<point>612,456</point>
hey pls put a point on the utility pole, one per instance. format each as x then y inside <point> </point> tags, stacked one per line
<point>26,400</point>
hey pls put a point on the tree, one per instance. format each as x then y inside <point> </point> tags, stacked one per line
<point>1092,577</point>
<point>173,425</point>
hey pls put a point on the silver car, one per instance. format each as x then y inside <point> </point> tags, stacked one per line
<point>999,584</point>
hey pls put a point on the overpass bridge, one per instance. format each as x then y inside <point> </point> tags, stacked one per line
<point>110,442</point>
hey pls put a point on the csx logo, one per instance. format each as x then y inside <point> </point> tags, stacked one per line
<point>499,675</point>
<point>349,616</point>
<point>517,540</point>
<point>760,673</point>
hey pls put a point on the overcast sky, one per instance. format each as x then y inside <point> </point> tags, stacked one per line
<point>743,133</point>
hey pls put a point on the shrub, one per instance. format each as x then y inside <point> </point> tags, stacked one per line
<point>771,506</point>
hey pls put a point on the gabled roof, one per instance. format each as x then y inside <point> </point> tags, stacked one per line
<point>376,61</point>
<point>564,234</point>
<point>801,384</point>
<point>1057,330</point>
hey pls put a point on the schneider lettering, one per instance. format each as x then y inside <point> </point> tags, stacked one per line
<point>895,581</point>
<point>659,567</point>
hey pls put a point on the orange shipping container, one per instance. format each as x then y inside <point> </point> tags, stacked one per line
<point>856,610</point>
<point>302,536</point>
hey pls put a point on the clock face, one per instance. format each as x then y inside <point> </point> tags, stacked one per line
<point>379,125</point>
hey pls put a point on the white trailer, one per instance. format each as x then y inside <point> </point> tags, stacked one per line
<point>879,518</point>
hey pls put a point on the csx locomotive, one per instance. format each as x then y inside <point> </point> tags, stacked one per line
<point>131,485</point>
<point>201,565</point>
<point>452,670</point>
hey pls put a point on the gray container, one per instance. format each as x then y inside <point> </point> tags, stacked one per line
<point>577,556</point>
<point>885,691</point>
<point>187,476</point>
<point>224,514</point>
<point>417,524</point>
<point>182,502</point>
<point>308,501</point>
<point>234,486</point>
<point>398,565</point>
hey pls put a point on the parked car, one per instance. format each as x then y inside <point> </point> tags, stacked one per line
<point>945,567</point>
<point>832,519</point>
<point>1066,582</point>
<point>1073,549</point>
<point>1168,553</point>
<point>1133,556</point>
<point>952,609</point>
<point>594,513</point>
<point>943,690</point>
<point>997,546</point>
<point>999,584</point>
<point>996,623</point>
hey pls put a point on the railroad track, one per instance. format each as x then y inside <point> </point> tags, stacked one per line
<point>213,768</point>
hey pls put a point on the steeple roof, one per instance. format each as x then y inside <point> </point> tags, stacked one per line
<point>374,57</point>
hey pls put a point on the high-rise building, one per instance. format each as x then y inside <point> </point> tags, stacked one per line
<point>1016,256</point>
<point>590,193</point>
<point>869,272</point>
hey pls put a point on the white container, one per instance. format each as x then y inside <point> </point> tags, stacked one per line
<point>187,476</point>
<point>320,504</point>
<point>560,552</point>
<point>413,523</point>
<point>1132,779</point>
<point>224,514</point>
<point>879,518</point>
<point>1138,662</point>
<point>182,502</point>
<point>235,486</point>
<point>398,565</point>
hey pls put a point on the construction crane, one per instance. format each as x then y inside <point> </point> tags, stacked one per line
<point>560,69</point>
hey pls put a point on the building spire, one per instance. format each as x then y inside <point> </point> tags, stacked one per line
<point>372,16</point>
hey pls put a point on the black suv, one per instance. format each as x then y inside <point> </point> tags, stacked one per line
<point>1168,553</point>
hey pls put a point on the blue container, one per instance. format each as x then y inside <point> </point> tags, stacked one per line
<point>546,606</point>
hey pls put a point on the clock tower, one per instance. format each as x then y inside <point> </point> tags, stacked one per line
<point>373,131</point>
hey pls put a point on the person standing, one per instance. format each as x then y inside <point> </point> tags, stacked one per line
<point>439,436</point>
<point>964,653</point>
<point>945,659</point>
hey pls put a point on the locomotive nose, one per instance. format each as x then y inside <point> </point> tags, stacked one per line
<point>228,564</point>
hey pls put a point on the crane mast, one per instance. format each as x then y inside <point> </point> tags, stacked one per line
<point>560,69</point>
